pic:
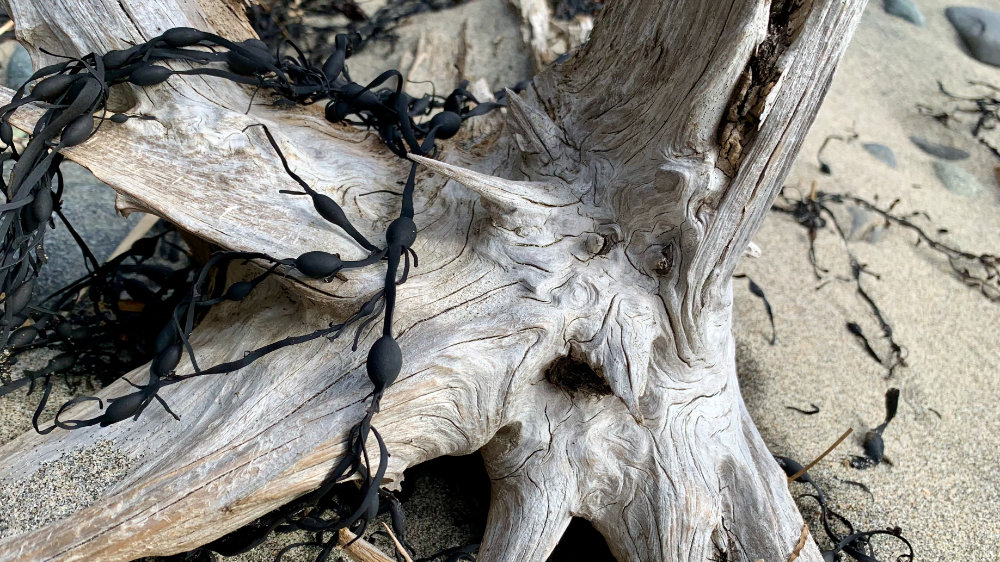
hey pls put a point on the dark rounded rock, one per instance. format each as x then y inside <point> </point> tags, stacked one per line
<point>957,179</point>
<point>979,29</point>
<point>939,150</point>
<point>905,9</point>
<point>18,68</point>
<point>882,152</point>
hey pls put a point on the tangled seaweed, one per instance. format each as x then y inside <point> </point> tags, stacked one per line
<point>308,23</point>
<point>814,212</point>
<point>984,108</point>
<point>72,92</point>
<point>839,530</point>
<point>104,323</point>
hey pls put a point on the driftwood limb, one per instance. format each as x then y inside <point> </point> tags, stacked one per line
<point>594,233</point>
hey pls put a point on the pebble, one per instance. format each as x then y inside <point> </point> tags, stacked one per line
<point>18,68</point>
<point>979,28</point>
<point>904,9</point>
<point>865,225</point>
<point>957,180</point>
<point>860,218</point>
<point>939,150</point>
<point>882,152</point>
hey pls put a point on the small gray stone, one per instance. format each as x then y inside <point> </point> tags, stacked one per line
<point>865,225</point>
<point>882,152</point>
<point>957,180</point>
<point>904,9</point>
<point>939,150</point>
<point>875,234</point>
<point>979,28</point>
<point>860,220</point>
<point>18,68</point>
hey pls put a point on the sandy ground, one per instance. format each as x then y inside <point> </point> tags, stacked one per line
<point>945,443</point>
<point>941,487</point>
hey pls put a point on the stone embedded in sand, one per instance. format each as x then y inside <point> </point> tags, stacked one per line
<point>882,152</point>
<point>904,9</point>
<point>979,28</point>
<point>957,180</point>
<point>18,68</point>
<point>861,220</point>
<point>939,150</point>
<point>865,225</point>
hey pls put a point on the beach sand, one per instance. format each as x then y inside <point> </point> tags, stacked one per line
<point>944,445</point>
<point>941,488</point>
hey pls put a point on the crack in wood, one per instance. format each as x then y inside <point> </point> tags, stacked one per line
<point>577,377</point>
<point>748,104</point>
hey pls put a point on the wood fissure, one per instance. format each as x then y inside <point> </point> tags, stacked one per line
<point>748,104</point>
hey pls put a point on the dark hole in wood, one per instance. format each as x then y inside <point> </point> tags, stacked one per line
<point>121,98</point>
<point>575,376</point>
<point>581,541</point>
<point>566,10</point>
<point>446,501</point>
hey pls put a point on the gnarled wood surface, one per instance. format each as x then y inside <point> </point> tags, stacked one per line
<point>635,174</point>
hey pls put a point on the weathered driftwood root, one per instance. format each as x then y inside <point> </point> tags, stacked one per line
<point>573,324</point>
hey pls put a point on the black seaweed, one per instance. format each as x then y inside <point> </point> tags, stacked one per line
<point>839,530</point>
<point>873,444</point>
<point>756,291</point>
<point>984,107</point>
<point>813,411</point>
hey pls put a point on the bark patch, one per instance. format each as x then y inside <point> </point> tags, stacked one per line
<point>743,115</point>
<point>576,377</point>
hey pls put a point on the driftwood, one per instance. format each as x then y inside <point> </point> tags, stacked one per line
<point>571,316</point>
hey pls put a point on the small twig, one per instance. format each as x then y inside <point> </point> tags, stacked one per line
<point>142,228</point>
<point>819,458</point>
<point>803,536</point>
<point>399,546</point>
<point>359,549</point>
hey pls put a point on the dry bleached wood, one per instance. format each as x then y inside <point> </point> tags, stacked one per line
<point>643,166</point>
